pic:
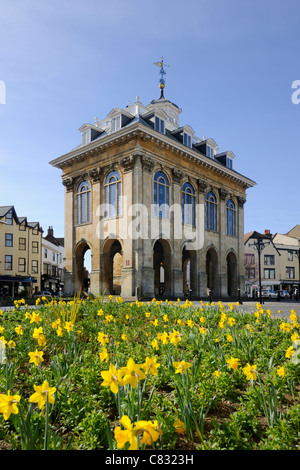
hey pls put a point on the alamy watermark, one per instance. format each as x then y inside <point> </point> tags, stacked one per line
<point>137,221</point>
<point>2,92</point>
<point>296,94</point>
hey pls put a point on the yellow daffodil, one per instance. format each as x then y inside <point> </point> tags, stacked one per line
<point>104,356</point>
<point>154,344</point>
<point>250,372</point>
<point>233,363</point>
<point>229,338</point>
<point>174,337</point>
<point>1,329</point>
<point>19,330</point>
<point>112,378</point>
<point>132,373</point>
<point>8,404</point>
<point>150,366</point>
<point>36,357</point>
<point>35,318</point>
<point>102,338</point>
<point>280,371</point>
<point>39,335</point>
<point>289,352</point>
<point>42,393</point>
<point>181,367</point>
<point>179,426</point>
<point>216,373</point>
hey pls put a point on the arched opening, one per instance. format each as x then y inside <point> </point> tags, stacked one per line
<point>232,284</point>
<point>112,267</point>
<point>83,266</point>
<point>189,270</point>
<point>212,272</point>
<point>162,268</point>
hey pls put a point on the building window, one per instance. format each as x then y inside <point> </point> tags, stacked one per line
<point>113,194</point>
<point>269,259</point>
<point>229,163</point>
<point>8,263</point>
<point>35,266</point>
<point>188,204</point>
<point>211,211</point>
<point>84,203</point>
<point>45,253</point>
<point>250,273</point>
<point>22,265</point>
<point>9,218</point>
<point>22,227</point>
<point>290,272</point>
<point>209,152</point>
<point>187,140</point>
<point>22,244</point>
<point>159,125</point>
<point>8,239</point>
<point>230,218</point>
<point>161,195</point>
<point>35,247</point>
<point>116,123</point>
<point>290,256</point>
<point>269,273</point>
<point>249,258</point>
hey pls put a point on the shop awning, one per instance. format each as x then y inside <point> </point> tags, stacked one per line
<point>17,279</point>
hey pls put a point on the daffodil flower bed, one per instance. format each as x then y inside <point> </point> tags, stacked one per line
<point>148,375</point>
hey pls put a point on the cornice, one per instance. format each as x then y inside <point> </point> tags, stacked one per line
<point>139,130</point>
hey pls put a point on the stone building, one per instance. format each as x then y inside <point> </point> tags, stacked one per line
<point>161,209</point>
<point>20,254</point>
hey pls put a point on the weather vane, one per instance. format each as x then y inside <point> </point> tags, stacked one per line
<point>162,72</point>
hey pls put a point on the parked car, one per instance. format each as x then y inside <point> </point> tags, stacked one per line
<point>285,294</point>
<point>268,294</point>
<point>39,295</point>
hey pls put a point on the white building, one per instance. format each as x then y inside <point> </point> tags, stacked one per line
<point>52,263</point>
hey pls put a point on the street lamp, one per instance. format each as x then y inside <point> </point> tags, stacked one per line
<point>259,244</point>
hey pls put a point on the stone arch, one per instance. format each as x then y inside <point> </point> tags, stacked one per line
<point>189,269</point>
<point>232,278</point>
<point>212,271</point>
<point>82,279</point>
<point>112,256</point>
<point>162,267</point>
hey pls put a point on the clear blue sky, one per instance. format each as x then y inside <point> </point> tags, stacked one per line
<point>232,65</point>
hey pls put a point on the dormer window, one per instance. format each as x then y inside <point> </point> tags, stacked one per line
<point>187,140</point>
<point>116,123</point>
<point>159,125</point>
<point>209,152</point>
<point>9,218</point>
<point>229,163</point>
<point>85,138</point>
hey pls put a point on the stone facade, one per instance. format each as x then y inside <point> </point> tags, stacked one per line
<point>139,157</point>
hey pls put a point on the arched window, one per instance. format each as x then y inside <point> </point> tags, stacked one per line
<point>84,203</point>
<point>211,211</point>
<point>161,195</point>
<point>230,218</point>
<point>113,194</point>
<point>188,204</point>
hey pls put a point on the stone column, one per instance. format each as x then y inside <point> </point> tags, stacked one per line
<point>94,177</point>
<point>69,237</point>
<point>128,285</point>
<point>223,193</point>
<point>202,276</point>
<point>146,255</point>
<point>240,234</point>
<point>176,243</point>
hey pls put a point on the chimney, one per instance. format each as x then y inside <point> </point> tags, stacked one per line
<point>50,231</point>
<point>267,232</point>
